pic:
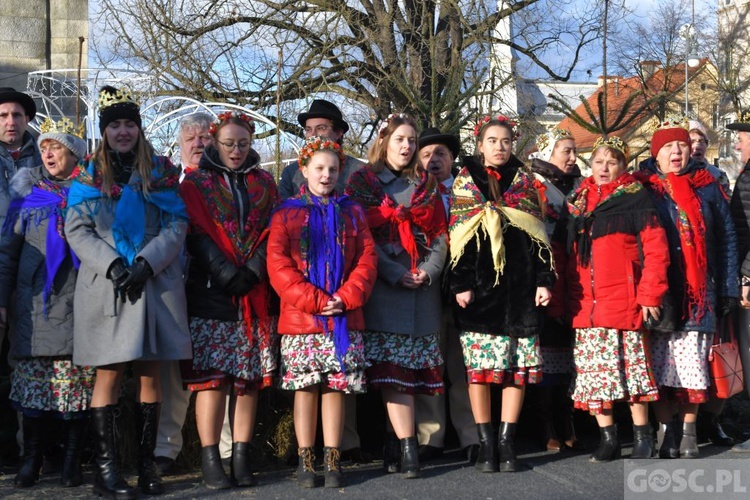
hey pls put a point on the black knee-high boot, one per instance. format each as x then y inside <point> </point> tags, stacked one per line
<point>75,436</point>
<point>108,481</point>
<point>149,480</point>
<point>33,448</point>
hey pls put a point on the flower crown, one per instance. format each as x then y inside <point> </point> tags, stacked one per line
<point>552,135</point>
<point>64,126</point>
<point>222,118</point>
<point>316,143</point>
<point>670,121</point>
<point>501,118</point>
<point>613,142</point>
<point>389,119</point>
<point>120,96</point>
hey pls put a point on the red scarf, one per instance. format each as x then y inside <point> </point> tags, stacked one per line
<point>388,220</point>
<point>690,226</point>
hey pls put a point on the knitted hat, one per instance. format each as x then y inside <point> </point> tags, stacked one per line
<point>671,129</point>
<point>66,134</point>
<point>117,104</point>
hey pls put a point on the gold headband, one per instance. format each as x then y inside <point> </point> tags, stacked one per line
<point>64,126</point>
<point>613,142</point>
<point>107,99</point>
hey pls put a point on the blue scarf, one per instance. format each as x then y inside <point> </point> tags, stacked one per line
<point>38,206</point>
<point>323,237</point>
<point>129,227</point>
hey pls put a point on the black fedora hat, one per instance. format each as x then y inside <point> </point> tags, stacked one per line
<point>742,124</point>
<point>433,135</point>
<point>320,108</point>
<point>9,94</point>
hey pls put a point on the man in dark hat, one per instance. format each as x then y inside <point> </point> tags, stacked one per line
<point>740,206</point>
<point>18,148</point>
<point>322,119</point>
<point>436,154</point>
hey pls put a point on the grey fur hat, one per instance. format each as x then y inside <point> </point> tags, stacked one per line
<point>76,145</point>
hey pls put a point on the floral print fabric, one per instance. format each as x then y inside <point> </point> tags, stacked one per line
<point>611,365</point>
<point>310,359</point>
<point>55,385</point>
<point>492,359</point>
<point>680,362</point>
<point>221,351</point>
<point>412,365</point>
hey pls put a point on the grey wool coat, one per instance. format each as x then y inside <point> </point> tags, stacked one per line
<point>23,270</point>
<point>110,331</point>
<point>391,307</point>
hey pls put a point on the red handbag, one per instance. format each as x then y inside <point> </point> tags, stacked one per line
<point>724,362</point>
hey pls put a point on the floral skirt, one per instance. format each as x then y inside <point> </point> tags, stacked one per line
<point>52,386</point>
<point>680,364</point>
<point>310,359</point>
<point>611,365</point>
<point>413,365</point>
<point>222,354</point>
<point>494,359</point>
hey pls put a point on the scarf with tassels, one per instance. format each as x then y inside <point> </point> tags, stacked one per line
<point>129,226</point>
<point>213,212</point>
<point>690,226</point>
<point>390,222</point>
<point>322,250</point>
<point>521,206</point>
<point>620,206</point>
<point>46,202</point>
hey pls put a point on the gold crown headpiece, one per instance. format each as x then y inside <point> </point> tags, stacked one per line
<point>64,126</point>
<point>743,117</point>
<point>669,121</point>
<point>552,135</point>
<point>316,143</point>
<point>120,96</point>
<point>613,142</point>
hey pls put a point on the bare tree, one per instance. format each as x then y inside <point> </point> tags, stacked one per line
<point>426,57</point>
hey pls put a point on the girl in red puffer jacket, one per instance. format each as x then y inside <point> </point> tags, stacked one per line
<point>323,264</point>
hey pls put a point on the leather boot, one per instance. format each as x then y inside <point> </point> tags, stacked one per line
<point>550,439</point>
<point>391,453</point>
<point>716,433</point>
<point>75,437</point>
<point>689,441</point>
<point>410,458</point>
<point>108,481</point>
<point>241,473</point>
<point>332,468</point>
<point>506,444</point>
<point>643,442</point>
<point>609,445</point>
<point>149,480</point>
<point>213,473</point>
<point>487,456</point>
<point>306,468</point>
<point>666,441</point>
<point>33,456</point>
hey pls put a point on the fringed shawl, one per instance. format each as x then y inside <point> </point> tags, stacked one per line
<point>322,250</point>
<point>471,214</point>
<point>624,207</point>
<point>129,227</point>
<point>212,211</point>
<point>390,222</point>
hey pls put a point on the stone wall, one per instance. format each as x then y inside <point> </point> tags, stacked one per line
<point>40,34</point>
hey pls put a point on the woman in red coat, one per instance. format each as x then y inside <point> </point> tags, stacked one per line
<point>617,276</point>
<point>323,264</point>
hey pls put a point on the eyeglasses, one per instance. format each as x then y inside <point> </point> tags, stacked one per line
<point>229,146</point>
<point>317,130</point>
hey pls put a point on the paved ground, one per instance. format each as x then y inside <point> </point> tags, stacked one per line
<point>544,476</point>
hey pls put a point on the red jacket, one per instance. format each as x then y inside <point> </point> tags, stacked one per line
<point>610,291</point>
<point>300,299</point>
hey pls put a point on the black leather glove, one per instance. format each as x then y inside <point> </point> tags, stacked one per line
<point>118,273</point>
<point>727,305</point>
<point>140,272</point>
<point>242,282</point>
